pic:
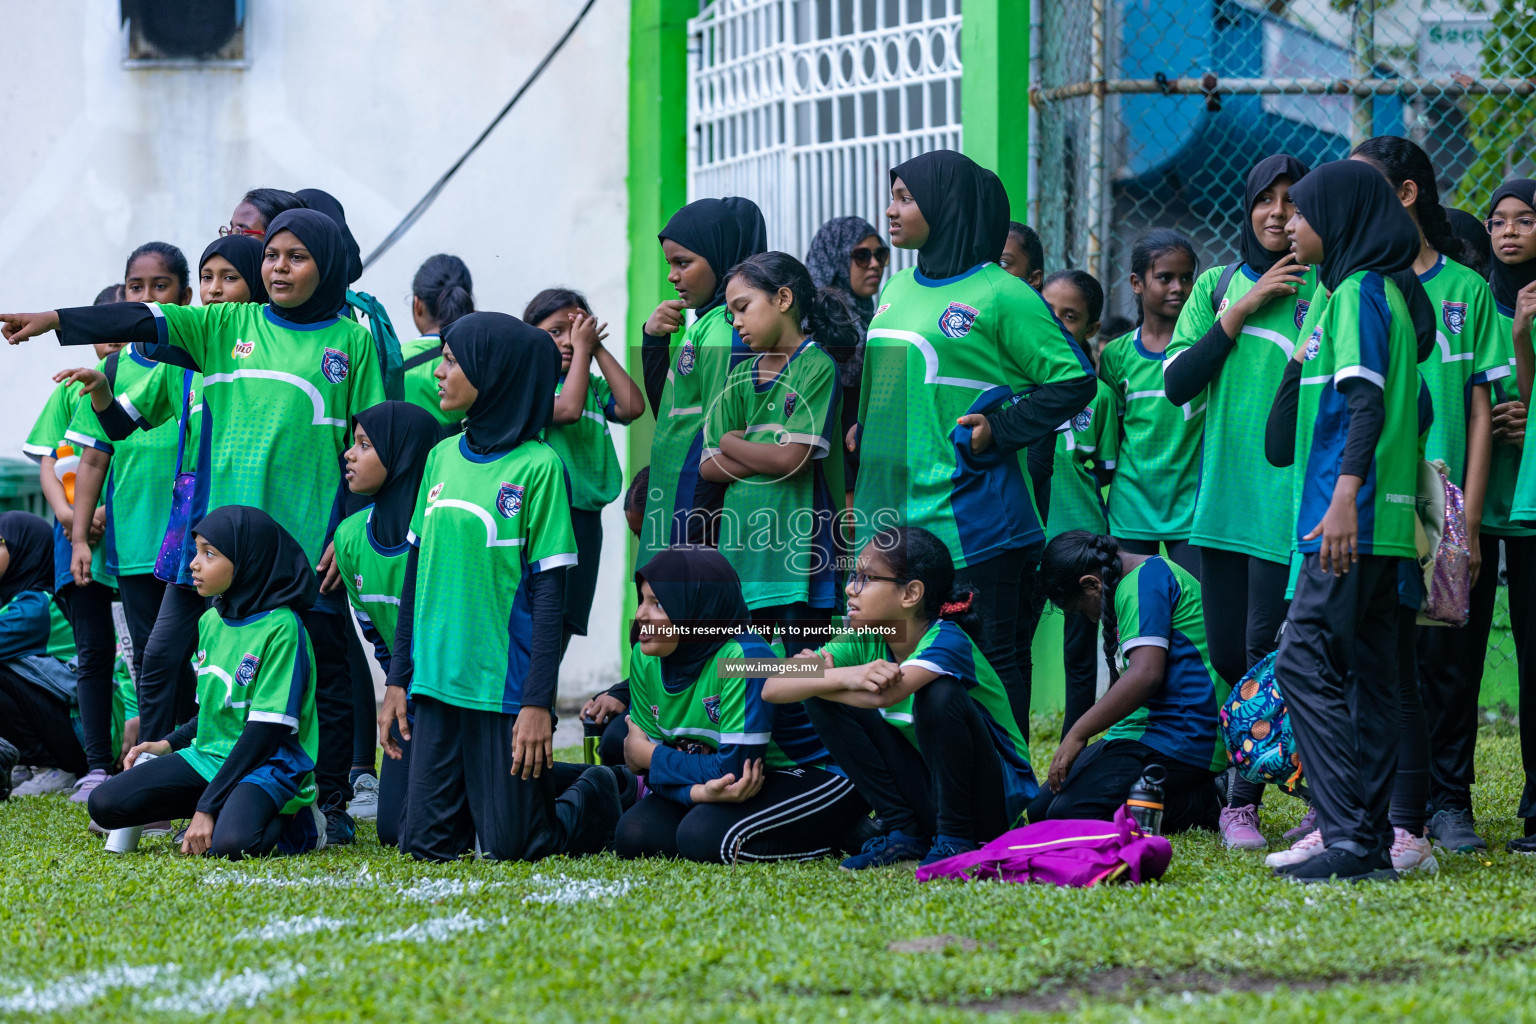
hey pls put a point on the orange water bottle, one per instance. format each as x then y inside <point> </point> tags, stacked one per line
<point>66,461</point>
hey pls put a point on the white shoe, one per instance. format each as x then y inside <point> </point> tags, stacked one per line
<point>1304,849</point>
<point>1413,853</point>
<point>46,780</point>
<point>365,797</point>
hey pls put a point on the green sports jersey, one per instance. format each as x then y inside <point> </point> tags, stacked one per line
<point>421,358</point>
<point>1467,353</point>
<point>1242,503</point>
<point>946,650</point>
<point>139,484</point>
<point>1363,330</point>
<point>49,433</point>
<point>700,357</point>
<point>779,533</point>
<point>258,669</point>
<point>1077,500</point>
<point>937,350</point>
<point>1504,473</point>
<point>374,576</point>
<point>586,448</point>
<point>484,524</point>
<point>125,701</point>
<point>278,401</point>
<point>1157,463</point>
<point>1157,604</point>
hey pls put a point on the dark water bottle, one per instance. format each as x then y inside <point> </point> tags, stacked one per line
<point>591,737</point>
<point>1145,802</point>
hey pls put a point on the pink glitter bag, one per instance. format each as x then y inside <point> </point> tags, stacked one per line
<point>1445,554</point>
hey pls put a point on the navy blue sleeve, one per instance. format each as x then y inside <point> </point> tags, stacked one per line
<point>673,767</point>
<point>24,626</point>
<point>380,651</point>
<point>400,665</point>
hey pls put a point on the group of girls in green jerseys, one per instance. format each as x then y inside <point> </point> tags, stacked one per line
<point>883,481</point>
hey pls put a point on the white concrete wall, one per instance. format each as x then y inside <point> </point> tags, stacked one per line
<point>368,101</point>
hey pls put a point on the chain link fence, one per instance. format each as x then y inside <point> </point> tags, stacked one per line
<point>1149,113</point>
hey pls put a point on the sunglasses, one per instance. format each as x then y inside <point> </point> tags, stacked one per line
<point>864,256</point>
<point>230,229</point>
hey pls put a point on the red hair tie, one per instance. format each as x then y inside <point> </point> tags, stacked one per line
<point>957,607</point>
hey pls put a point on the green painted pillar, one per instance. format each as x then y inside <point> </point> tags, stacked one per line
<point>657,186</point>
<point>994,91</point>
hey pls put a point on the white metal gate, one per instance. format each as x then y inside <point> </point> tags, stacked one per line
<point>804,105</point>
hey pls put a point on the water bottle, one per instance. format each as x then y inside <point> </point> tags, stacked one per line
<point>591,738</point>
<point>66,462</point>
<point>126,840</point>
<point>1145,802</point>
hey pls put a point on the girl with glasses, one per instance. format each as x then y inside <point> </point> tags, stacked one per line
<point>911,709</point>
<point>258,208</point>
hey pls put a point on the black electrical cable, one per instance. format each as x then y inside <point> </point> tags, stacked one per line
<point>432,193</point>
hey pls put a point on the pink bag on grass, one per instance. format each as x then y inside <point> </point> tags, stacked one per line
<point>1074,852</point>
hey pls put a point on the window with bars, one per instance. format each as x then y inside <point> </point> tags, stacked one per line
<point>804,105</point>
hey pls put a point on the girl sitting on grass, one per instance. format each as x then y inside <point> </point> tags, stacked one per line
<point>244,770</point>
<point>919,720</point>
<point>1162,710</point>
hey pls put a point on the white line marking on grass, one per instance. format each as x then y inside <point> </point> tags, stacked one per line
<point>292,928</point>
<point>82,989</point>
<point>434,929</point>
<point>220,992</point>
<point>431,890</point>
<point>225,876</point>
<point>564,891</point>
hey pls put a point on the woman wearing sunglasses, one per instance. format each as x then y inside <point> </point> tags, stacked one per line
<point>847,254</point>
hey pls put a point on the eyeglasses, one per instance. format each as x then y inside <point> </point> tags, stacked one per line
<point>230,229</point>
<point>864,256</point>
<point>1522,225</point>
<point>858,580</point>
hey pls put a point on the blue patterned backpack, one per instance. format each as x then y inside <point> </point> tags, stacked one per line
<point>1257,730</point>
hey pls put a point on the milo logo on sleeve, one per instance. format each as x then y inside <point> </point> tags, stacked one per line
<point>243,348</point>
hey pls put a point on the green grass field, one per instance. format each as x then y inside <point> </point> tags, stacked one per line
<point>359,933</point>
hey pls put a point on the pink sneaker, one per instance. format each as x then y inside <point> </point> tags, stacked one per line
<point>1240,828</point>
<point>88,782</point>
<point>1303,850</point>
<point>1307,824</point>
<point>1413,853</point>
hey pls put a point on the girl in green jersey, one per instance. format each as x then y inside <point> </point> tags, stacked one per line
<point>243,769</point>
<point>1232,341</point>
<point>685,367</point>
<point>441,292</point>
<point>585,403</point>
<point>768,438</point>
<point>1152,503</point>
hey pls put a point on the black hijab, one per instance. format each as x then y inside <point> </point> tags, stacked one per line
<point>244,253</point>
<point>271,570</point>
<point>402,434</point>
<point>1508,278</point>
<point>326,203</point>
<point>1475,237</point>
<point>696,587</point>
<point>1264,174</point>
<point>1351,206</point>
<point>322,238</point>
<point>830,254</point>
<point>723,231</point>
<point>29,540</point>
<point>515,368</point>
<point>966,208</point>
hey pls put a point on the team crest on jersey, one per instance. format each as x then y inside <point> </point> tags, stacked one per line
<point>685,358</point>
<point>245,674</point>
<point>334,365</point>
<point>1083,420</point>
<point>883,308</point>
<point>790,401</point>
<point>243,349</point>
<point>1302,305</point>
<point>434,492</point>
<point>712,708</point>
<point>509,500</point>
<point>1314,344</point>
<point>357,581</point>
<point>1454,314</point>
<point>1222,306</point>
<point>956,321</point>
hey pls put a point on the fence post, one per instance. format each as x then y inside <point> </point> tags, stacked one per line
<point>995,97</point>
<point>1098,72</point>
<point>1036,80</point>
<point>1363,43</point>
<point>657,185</point>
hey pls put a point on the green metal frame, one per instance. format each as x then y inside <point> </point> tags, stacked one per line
<point>994,40</point>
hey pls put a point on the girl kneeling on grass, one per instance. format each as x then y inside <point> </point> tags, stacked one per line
<point>1163,708</point>
<point>919,720</point>
<point>732,777</point>
<point>245,770</point>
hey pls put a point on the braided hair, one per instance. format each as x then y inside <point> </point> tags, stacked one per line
<point>913,553</point>
<point>1401,160</point>
<point>1071,556</point>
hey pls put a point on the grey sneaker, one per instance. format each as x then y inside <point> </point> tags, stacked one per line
<point>1454,831</point>
<point>89,781</point>
<point>9,755</point>
<point>365,798</point>
<point>21,773</point>
<point>45,780</point>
